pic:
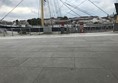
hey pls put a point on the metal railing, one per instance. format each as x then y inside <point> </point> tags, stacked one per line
<point>89,28</point>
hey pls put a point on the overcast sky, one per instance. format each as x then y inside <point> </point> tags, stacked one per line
<point>30,8</point>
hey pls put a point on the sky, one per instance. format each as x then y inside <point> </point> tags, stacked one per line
<point>31,8</point>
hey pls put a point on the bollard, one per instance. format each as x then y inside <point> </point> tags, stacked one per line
<point>39,31</point>
<point>67,30</point>
<point>81,27</point>
<point>12,31</point>
<point>59,30</point>
<point>30,31</point>
<point>20,31</point>
<point>4,32</point>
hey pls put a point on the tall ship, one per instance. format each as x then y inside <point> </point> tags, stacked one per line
<point>55,23</point>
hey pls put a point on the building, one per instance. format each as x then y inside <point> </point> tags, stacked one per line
<point>49,21</point>
<point>21,23</point>
<point>87,19</point>
<point>7,23</point>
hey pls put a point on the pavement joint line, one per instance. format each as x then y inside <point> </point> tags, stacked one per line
<point>63,67</point>
<point>59,67</point>
<point>45,67</point>
<point>24,61</point>
<point>13,58</point>
<point>74,63</point>
<point>74,59</point>
<point>48,67</point>
<point>38,75</point>
<point>9,66</point>
<point>109,69</point>
<point>61,57</point>
<point>113,74</point>
<point>62,51</point>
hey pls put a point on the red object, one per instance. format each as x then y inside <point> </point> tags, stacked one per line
<point>62,24</point>
<point>81,23</point>
<point>81,27</point>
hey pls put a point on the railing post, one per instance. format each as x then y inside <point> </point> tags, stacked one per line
<point>20,31</point>
<point>3,33</point>
<point>29,30</point>
<point>12,31</point>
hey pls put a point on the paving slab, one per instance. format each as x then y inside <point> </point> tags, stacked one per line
<point>95,76</point>
<point>65,75</point>
<point>49,62</point>
<point>12,62</point>
<point>86,54</point>
<point>39,54</point>
<point>37,62</point>
<point>63,62</point>
<point>63,55</point>
<point>18,74</point>
<point>108,62</point>
<point>57,75</point>
<point>87,63</point>
<point>114,72</point>
<point>104,49</point>
<point>73,58</point>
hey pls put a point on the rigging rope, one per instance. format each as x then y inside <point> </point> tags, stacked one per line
<point>49,8</point>
<point>53,8</point>
<point>12,10</point>
<point>61,7</point>
<point>98,7</point>
<point>69,8</point>
<point>72,14</point>
<point>50,13</point>
<point>56,8</point>
<point>75,7</point>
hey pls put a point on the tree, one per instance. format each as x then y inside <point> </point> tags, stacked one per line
<point>17,22</point>
<point>34,21</point>
<point>65,18</point>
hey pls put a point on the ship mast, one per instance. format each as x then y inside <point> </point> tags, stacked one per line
<point>42,13</point>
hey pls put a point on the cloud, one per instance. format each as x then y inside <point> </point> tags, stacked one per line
<point>6,2</point>
<point>107,6</point>
<point>30,8</point>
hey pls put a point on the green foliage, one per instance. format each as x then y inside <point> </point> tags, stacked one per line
<point>63,18</point>
<point>34,21</point>
<point>96,22</point>
<point>17,22</point>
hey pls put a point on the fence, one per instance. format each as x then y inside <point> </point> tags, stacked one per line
<point>8,31</point>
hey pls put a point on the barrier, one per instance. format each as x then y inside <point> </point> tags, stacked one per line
<point>68,29</point>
